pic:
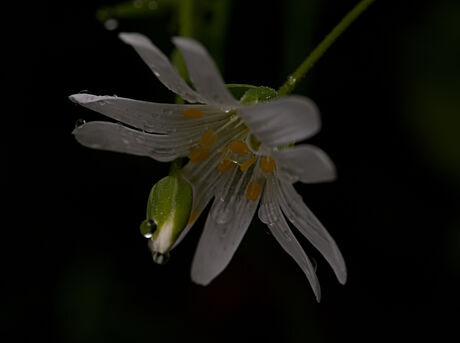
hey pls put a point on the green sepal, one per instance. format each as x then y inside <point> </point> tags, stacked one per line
<point>259,94</point>
<point>169,206</point>
<point>249,94</point>
<point>238,89</point>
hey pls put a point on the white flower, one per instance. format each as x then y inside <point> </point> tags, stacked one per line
<point>239,155</point>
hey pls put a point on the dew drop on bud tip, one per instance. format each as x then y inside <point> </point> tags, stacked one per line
<point>160,258</point>
<point>147,228</point>
<point>79,122</point>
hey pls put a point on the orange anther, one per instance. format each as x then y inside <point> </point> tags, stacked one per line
<point>198,155</point>
<point>192,218</point>
<point>193,114</point>
<point>239,148</point>
<point>225,165</point>
<point>244,166</point>
<point>208,139</point>
<point>252,193</point>
<point>267,164</point>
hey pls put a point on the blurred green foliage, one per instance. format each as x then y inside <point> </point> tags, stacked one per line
<point>209,23</point>
<point>430,80</point>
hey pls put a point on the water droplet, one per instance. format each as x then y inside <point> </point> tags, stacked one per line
<point>166,111</point>
<point>292,80</point>
<point>313,263</point>
<point>160,258</point>
<point>147,228</point>
<point>111,24</point>
<point>157,74</point>
<point>221,213</point>
<point>79,122</point>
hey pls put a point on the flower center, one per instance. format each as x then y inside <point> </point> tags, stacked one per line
<point>238,148</point>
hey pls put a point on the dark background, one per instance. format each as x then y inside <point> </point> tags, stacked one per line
<point>75,267</point>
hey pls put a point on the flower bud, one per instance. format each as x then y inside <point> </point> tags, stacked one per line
<point>168,211</point>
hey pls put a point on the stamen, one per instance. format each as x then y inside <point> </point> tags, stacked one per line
<point>244,166</point>
<point>225,165</point>
<point>239,148</point>
<point>267,164</point>
<point>192,218</point>
<point>208,139</point>
<point>198,155</point>
<point>252,193</point>
<point>193,114</point>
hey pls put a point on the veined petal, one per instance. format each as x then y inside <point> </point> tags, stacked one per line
<point>282,121</point>
<point>305,221</point>
<point>149,116</point>
<point>115,137</point>
<point>270,214</point>
<point>160,65</point>
<point>204,74</point>
<point>203,178</point>
<point>309,163</point>
<point>229,218</point>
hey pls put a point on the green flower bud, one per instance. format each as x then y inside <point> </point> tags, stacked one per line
<point>168,211</point>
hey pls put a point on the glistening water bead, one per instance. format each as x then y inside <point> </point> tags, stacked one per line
<point>79,122</point>
<point>147,228</point>
<point>160,258</point>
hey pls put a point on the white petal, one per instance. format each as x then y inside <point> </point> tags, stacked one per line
<point>148,116</point>
<point>203,177</point>
<point>306,222</point>
<point>282,121</point>
<point>160,65</point>
<point>118,138</point>
<point>270,214</point>
<point>203,73</point>
<point>229,218</point>
<point>309,163</point>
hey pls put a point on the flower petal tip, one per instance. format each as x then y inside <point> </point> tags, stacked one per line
<point>199,281</point>
<point>133,38</point>
<point>81,98</point>
<point>342,278</point>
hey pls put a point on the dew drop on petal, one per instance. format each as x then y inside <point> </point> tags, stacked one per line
<point>221,213</point>
<point>147,228</point>
<point>111,24</point>
<point>79,122</point>
<point>160,258</point>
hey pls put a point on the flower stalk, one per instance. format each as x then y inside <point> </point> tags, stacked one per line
<point>321,48</point>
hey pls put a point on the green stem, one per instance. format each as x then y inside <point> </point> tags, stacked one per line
<point>176,166</point>
<point>315,55</point>
<point>186,11</point>
<point>186,15</point>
